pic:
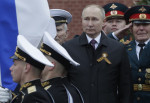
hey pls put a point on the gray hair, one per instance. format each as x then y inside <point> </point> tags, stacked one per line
<point>65,26</point>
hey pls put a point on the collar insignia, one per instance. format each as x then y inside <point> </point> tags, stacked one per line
<point>46,83</point>
<point>25,86</point>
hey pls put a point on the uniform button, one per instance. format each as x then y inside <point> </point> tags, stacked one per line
<point>140,70</point>
<point>139,79</point>
<point>91,64</point>
<point>92,84</point>
<point>138,98</point>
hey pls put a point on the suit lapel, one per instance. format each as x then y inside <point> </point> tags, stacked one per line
<point>83,39</point>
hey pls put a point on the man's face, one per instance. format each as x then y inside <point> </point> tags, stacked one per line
<point>17,70</point>
<point>141,31</point>
<point>62,33</point>
<point>113,25</point>
<point>92,21</point>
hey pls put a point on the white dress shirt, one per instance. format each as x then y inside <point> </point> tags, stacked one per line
<point>97,39</point>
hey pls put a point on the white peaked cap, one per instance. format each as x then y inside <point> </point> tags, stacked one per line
<point>27,52</point>
<point>61,13</point>
<point>56,51</point>
<point>33,18</point>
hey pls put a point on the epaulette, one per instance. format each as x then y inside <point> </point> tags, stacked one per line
<point>31,89</point>
<point>47,87</point>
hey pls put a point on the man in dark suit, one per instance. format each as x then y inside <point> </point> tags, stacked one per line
<point>104,72</point>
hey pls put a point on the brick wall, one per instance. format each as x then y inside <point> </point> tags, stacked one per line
<point>75,8</point>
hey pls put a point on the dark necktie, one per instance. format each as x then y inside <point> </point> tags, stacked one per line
<point>93,42</point>
<point>142,47</point>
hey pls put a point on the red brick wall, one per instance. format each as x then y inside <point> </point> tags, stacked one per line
<point>75,8</point>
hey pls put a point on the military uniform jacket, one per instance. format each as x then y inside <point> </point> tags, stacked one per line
<point>74,91</point>
<point>32,92</point>
<point>56,89</point>
<point>101,71</point>
<point>139,70</point>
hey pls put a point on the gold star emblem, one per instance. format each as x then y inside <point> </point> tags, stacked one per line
<point>113,6</point>
<point>142,9</point>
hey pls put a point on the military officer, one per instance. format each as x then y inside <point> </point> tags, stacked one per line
<point>54,78</point>
<point>138,51</point>
<point>26,70</point>
<point>62,19</point>
<point>115,26</point>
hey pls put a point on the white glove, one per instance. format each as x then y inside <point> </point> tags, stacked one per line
<point>5,95</point>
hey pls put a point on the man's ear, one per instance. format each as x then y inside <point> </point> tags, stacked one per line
<point>67,33</point>
<point>27,67</point>
<point>130,29</point>
<point>104,24</point>
<point>51,68</point>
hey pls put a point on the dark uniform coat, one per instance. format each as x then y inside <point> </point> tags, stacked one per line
<point>138,68</point>
<point>141,95</point>
<point>74,91</point>
<point>56,89</point>
<point>104,74</point>
<point>32,92</point>
<point>61,91</point>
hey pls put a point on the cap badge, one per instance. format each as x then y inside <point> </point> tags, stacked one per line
<point>142,9</point>
<point>142,16</point>
<point>113,6</point>
<point>104,57</point>
<point>114,12</point>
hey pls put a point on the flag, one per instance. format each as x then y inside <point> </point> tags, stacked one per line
<point>30,18</point>
<point>8,40</point>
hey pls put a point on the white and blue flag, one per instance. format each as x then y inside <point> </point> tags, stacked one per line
<point>30,18</point>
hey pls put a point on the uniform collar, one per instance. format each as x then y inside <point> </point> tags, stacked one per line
<point>29,84</point>
<point>146,42</point>
<point>51,81</point>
